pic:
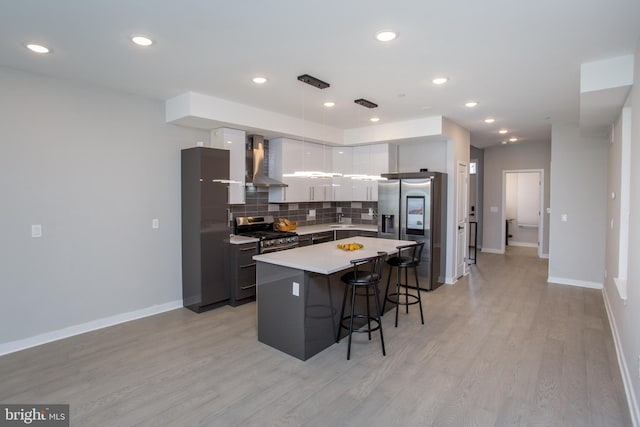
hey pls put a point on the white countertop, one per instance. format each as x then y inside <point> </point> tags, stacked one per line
<point>309,229</point>
<point>318,228</point>
<point>326,258</point>
<point>239,240</point>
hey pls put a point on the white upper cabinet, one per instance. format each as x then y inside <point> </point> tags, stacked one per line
<point>233,140</point>
<point>369,162</point>
<point>342,164</point>
<point>358,166</point>
<point>289,157</point>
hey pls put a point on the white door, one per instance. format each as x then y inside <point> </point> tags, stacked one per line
<point>461,219</point>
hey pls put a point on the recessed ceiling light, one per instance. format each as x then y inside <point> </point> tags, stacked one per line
<point>386,35</point>
<point>329,104</point>
<point>259,80</point>
<point>489,120</point>
<point>503,131</point>
<point>440,80</point>
<point>141,40</point>
<point>513,139</point>
<point>375,119</point>
<point>37,48</point>
<point>471,104</point>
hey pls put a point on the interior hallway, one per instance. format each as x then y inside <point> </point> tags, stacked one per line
<point>501,347</point>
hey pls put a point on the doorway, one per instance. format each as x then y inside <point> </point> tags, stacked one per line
<point>461,220</point>
<point>522,208</point>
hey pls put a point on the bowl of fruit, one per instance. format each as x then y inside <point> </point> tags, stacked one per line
<point>350,246</point>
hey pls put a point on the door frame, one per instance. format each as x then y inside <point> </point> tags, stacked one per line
<point>540,206</point>
<point>465,210</point>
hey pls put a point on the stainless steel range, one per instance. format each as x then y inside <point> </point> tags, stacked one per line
<point>262,228</point>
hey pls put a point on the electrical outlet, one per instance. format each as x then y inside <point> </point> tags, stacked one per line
<point>295,289</point>
<point>155,223</point>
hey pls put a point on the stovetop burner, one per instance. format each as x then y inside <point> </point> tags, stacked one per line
<point>263,228</point>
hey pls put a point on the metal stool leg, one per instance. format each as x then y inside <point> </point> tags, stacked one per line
<point>386,291</point>
<point>376,296</point>
<point>399,277</point>
<point>415,270</point>
<point>406,289</point>
<point>353,309</point>
<point>368,312</point>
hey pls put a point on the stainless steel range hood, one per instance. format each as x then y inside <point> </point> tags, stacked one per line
<point>255,164</point>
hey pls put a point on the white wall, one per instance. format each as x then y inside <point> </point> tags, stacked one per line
<point>578,190</point>
<point>414,156</point>
<point>520,156</point>
<point>93,167</point>
<point>625,315</point>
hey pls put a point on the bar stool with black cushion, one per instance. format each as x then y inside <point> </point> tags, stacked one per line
<point>408,256</point>
<point>364,276</point>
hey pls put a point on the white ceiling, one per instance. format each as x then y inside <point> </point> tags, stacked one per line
<point>519,59</point>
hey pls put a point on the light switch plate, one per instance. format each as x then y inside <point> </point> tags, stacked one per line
<point>36,230</point>
<point>295,289</point>
<point>155,223</point>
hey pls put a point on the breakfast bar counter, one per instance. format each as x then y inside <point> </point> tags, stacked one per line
<point>299,293</point>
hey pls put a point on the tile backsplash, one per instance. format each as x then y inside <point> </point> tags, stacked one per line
<point>257,204</point>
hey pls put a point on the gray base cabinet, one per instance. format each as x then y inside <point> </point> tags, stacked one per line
<point>322,237</point>
<point>241,272</point>
<point>344,234</point>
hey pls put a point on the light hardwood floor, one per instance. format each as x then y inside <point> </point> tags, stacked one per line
<point>501,347</point>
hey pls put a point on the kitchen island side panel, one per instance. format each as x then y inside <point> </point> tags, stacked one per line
<point>280,313</point>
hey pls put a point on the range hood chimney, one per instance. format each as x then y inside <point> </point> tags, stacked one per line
<point>255,164</point>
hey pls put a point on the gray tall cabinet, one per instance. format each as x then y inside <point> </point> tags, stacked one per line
<point>205,195</point>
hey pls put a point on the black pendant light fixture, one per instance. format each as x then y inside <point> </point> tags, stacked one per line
<point>310,80</point>
<point>365,103</point>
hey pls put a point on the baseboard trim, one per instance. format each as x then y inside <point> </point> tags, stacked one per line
<point>572,282</point>
<point>622,364</point>
<point>524,244</point>
<point>13,346</point>
<point>493,251</point>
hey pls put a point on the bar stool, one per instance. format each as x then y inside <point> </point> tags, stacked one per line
<point>408,256</point>
<point>365,275</point>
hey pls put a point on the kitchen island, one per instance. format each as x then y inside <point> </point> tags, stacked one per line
<point>299,293</point>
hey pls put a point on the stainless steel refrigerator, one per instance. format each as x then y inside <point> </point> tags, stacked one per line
<point>413,206</point>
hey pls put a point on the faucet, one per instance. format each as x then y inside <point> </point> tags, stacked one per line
<point>340,218</point>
